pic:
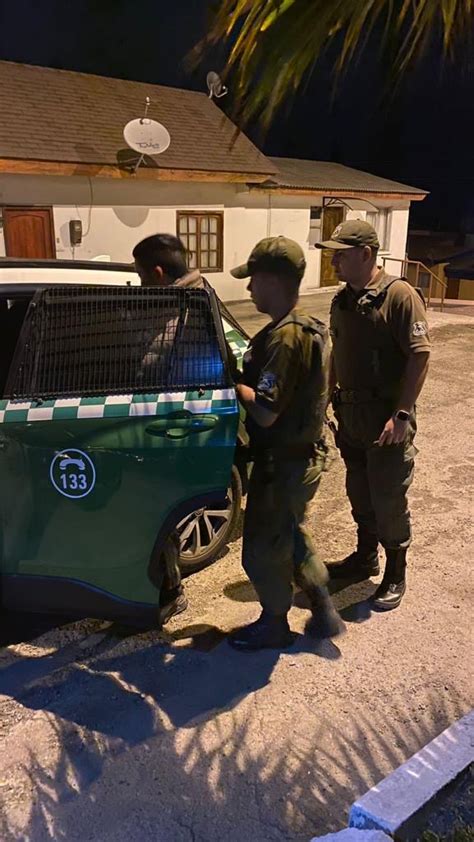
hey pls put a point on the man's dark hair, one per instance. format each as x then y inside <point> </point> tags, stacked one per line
<point>162,250</point>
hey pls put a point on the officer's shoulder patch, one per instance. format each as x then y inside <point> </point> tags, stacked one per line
<point>266,382</point>
<point>419,329</point>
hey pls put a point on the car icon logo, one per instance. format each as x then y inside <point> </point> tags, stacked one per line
<point>68,461</point>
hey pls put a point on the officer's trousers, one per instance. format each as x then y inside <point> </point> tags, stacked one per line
<point>377,478</point>
<point>277,550</point>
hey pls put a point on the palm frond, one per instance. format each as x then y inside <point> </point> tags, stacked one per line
<point>278,42</point>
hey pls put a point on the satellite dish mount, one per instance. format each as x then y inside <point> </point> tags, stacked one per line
<point>145,136</point>
<point>215,86</point>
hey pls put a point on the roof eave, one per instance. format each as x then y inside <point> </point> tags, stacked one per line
<point>281,189</point>
<point>21,166</point>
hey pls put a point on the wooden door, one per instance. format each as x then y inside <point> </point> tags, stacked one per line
<point>29,232</point>
<point>332,216</point>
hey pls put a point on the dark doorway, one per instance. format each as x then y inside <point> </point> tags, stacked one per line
<point>332,216</point>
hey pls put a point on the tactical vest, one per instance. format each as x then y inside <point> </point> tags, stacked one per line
<point>315,392</point>
<point>303,420</point>
<point>366,353</point>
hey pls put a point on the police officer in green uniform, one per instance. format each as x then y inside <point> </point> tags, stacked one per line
<point>379,363</point>
<point>284,391</point>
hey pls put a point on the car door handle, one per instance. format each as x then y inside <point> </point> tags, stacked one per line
<point>177,427</point>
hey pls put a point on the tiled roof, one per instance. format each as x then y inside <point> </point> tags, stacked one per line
<point>63,116</point>
<point>324,175</point>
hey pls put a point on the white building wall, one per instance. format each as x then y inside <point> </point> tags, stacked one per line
<point>294,223</point>
<point>117,213</point>
<point>398,240</point>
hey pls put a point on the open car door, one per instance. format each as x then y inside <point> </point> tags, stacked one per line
<point>119,418</point>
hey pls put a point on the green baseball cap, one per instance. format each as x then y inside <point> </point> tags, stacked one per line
<point>270,254</point>
<point>353,232</point>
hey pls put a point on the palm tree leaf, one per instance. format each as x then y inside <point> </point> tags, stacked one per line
<point>279,42</point>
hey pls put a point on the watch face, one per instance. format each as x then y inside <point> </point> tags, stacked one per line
<point>402,415</point>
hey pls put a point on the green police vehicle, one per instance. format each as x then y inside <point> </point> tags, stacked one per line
<point>118,425</point>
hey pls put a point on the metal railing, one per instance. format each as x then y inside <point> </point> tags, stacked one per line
<point>413,271</point>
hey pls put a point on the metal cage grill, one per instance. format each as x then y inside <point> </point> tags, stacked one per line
<point>99,341</point>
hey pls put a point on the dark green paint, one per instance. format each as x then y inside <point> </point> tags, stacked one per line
<point>106,538</point>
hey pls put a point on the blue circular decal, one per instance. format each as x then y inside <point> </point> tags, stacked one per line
<point>72,473</point>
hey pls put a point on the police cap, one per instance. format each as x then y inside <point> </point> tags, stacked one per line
<point>353,232</point>
<point>273,254</point>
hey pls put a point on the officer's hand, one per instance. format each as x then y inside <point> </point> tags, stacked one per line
<point>394,432</point>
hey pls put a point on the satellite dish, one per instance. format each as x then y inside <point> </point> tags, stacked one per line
<point>146,136</point>
<point>215,85</point>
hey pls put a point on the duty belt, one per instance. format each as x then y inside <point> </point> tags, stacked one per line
<point>360,395</point>
<point>287,452</point>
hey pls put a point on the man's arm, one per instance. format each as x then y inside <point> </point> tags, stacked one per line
<point>415,376</point>
<point>277,379</point>
<point>332,379</point>
<point>262,416</point>
<point>416,370</point>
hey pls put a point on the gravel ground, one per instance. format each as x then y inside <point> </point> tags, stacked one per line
<point>109,735</point>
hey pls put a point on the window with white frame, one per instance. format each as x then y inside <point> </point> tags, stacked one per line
<point>202,235</point>
<point>381,221</point>
<point>314,235</point>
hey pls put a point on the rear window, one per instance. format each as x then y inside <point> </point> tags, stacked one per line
<point>99,341</point>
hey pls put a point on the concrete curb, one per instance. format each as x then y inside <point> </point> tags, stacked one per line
<point>352,834</point>
<point>398,804</point>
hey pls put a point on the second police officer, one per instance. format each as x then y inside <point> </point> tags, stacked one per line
<point>380,359</point>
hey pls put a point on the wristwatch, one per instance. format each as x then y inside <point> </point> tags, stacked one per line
<point>402,415</point>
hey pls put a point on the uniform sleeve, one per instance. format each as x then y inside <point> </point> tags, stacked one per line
<point>408,323</point>
<point>280,369</point>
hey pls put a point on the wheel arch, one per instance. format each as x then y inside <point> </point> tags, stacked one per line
<point>186,507</point>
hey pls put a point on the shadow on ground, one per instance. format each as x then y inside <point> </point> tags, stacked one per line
<point>148,744</point>
<point>351,600</point>
<point>21,627</point>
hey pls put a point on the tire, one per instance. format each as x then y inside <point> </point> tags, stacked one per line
<point>205,532</point>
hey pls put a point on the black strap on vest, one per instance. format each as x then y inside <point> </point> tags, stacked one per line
<point>373,297</point>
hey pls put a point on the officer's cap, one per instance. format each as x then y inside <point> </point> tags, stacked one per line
<point>273,254</point>
<point>353,232</point>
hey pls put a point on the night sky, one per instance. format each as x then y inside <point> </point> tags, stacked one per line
<point>422,136</point>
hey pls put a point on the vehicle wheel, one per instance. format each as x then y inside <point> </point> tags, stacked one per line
<point>205,532</point>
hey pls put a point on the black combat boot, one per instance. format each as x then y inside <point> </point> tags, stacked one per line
<point>325,621</point>
<point>362,563</point>
<point>389,593</point>
<point>268,632</point>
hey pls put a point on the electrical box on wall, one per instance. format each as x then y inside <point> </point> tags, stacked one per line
<point>75,232</point>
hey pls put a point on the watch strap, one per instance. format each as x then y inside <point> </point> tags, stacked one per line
<point>402,415</point>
